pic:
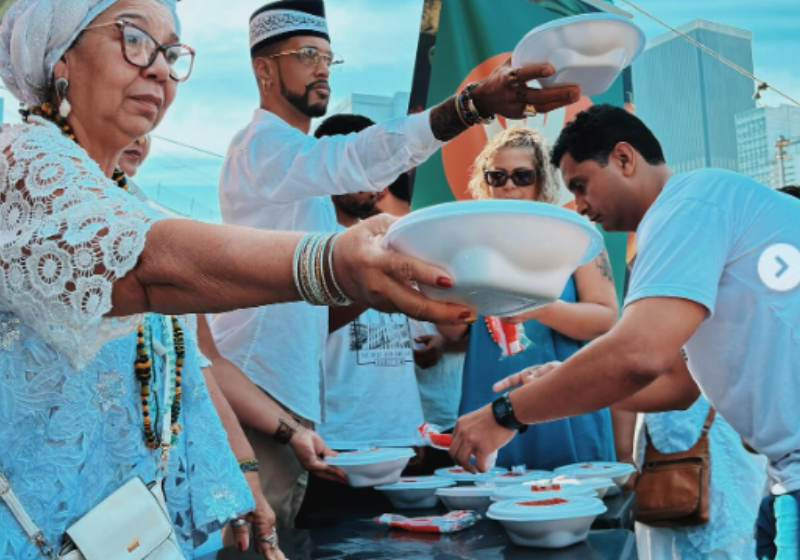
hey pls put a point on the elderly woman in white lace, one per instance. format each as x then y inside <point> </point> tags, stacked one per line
<point>86,268</point>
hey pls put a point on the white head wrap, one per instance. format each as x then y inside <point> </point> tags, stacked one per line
<point>35,34</point>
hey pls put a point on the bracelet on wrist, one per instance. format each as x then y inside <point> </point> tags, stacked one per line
<point>286,430</point>
<point>462,108</point>
<point>249,465</point>
<point>477,117</point>
<point>313,271</point>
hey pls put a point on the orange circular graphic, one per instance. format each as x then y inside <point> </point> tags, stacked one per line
<point>459,154</point>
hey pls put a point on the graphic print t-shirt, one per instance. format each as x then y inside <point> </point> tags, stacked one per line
<point>371,393</point>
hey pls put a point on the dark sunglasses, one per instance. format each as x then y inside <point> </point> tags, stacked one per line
<point>520,177</point>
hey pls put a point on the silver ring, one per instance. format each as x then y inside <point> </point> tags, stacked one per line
<point>530,110</point>
<point>273,536</point>
<point>238,523</point>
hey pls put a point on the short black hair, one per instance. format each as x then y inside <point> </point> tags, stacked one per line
<point>401,188</point>
<point>347,123</point>
<point>596,131</point>
<point>344,123</point>
<point>792,190</point>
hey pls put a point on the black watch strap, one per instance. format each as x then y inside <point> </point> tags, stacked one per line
<point>504,414</point>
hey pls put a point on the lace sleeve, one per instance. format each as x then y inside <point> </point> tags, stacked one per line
<point>67,233</point>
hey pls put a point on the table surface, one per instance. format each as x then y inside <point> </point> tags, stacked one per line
<point>353,535</point>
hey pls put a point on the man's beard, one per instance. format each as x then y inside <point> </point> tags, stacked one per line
<point>302,102</point>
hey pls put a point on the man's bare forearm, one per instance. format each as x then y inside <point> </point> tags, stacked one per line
<point>250,404</point>
<point>599,375</point>
<point>236,439</point>
<point>445,122</point>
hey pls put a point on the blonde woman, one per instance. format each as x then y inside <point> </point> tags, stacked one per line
<point>515,166</point>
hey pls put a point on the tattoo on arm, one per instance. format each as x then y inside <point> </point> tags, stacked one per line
<point>445,122</point>
<point>605,266</point>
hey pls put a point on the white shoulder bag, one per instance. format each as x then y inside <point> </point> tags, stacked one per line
<point>130,524</point>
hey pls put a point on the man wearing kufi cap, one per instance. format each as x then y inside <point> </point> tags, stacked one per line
<point>277,177</point>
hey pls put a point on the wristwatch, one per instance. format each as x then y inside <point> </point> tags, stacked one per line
<point>504,414</point>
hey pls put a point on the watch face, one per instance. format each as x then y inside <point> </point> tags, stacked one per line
<point>500,408</point>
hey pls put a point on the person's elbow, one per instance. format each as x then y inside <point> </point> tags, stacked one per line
<point>644,367</point>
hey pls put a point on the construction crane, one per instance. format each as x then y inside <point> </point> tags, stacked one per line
<point>781,144</point>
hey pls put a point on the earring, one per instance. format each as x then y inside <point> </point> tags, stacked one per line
<point>267,85</point>
<point>64,108</point>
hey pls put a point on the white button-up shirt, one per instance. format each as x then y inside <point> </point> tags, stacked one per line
<point>276,177</point>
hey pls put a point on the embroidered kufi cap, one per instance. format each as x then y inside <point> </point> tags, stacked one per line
<point>287,18</point>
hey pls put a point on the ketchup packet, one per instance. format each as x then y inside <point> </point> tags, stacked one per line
<point>448,523</point>
<point>432,435</point>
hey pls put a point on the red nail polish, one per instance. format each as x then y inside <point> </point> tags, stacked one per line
<point>443,282</point>
<point>242,546</point>
<point>465,315</point>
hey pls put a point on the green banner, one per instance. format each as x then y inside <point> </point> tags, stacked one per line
<point>462,41</point>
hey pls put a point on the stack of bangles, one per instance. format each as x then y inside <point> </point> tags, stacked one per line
<point>465,107</point>
<point>313,271</point>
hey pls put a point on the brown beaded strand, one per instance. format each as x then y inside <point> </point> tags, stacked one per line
<point>144,373</point>
<point>180,356</point>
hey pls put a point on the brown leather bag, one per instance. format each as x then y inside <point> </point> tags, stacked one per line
<point>672,489</point>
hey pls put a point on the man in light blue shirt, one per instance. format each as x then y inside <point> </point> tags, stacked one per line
<point>717,272</point>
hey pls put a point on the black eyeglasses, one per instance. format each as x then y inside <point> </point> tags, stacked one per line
<point>520,177</point>
<point>140,49</point>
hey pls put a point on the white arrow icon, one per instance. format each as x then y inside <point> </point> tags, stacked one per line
<point>779,267</point>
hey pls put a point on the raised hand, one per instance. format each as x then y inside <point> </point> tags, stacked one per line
<point>505,92</point>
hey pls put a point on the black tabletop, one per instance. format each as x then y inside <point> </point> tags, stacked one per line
<point>354,535</point>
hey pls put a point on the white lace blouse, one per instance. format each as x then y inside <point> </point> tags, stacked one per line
<point>70,418</point>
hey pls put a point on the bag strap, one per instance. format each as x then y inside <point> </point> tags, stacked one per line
<point>706,426</point>
<point>18,511</point>
<point>709,420</point>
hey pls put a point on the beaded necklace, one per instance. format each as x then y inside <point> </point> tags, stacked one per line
<point>143,365</point>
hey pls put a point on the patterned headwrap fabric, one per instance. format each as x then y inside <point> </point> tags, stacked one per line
<point>35,34</point>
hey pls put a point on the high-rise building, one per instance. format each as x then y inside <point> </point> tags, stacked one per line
<point>690,99</point>
<point>377,107</point>
<point>757,132</point>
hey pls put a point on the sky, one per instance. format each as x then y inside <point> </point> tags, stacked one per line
<point>377,39</point>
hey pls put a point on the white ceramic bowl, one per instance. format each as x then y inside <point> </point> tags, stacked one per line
<point>618,472</point>
<point>529,492</point>
<point>374,467</point>
<point>505,256</point>
<point>415,492</point>
<point>588,50</point>
<point>473,498</point>
<point>462,477</point>
<point>512,478</point>
<point>554,523</point>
